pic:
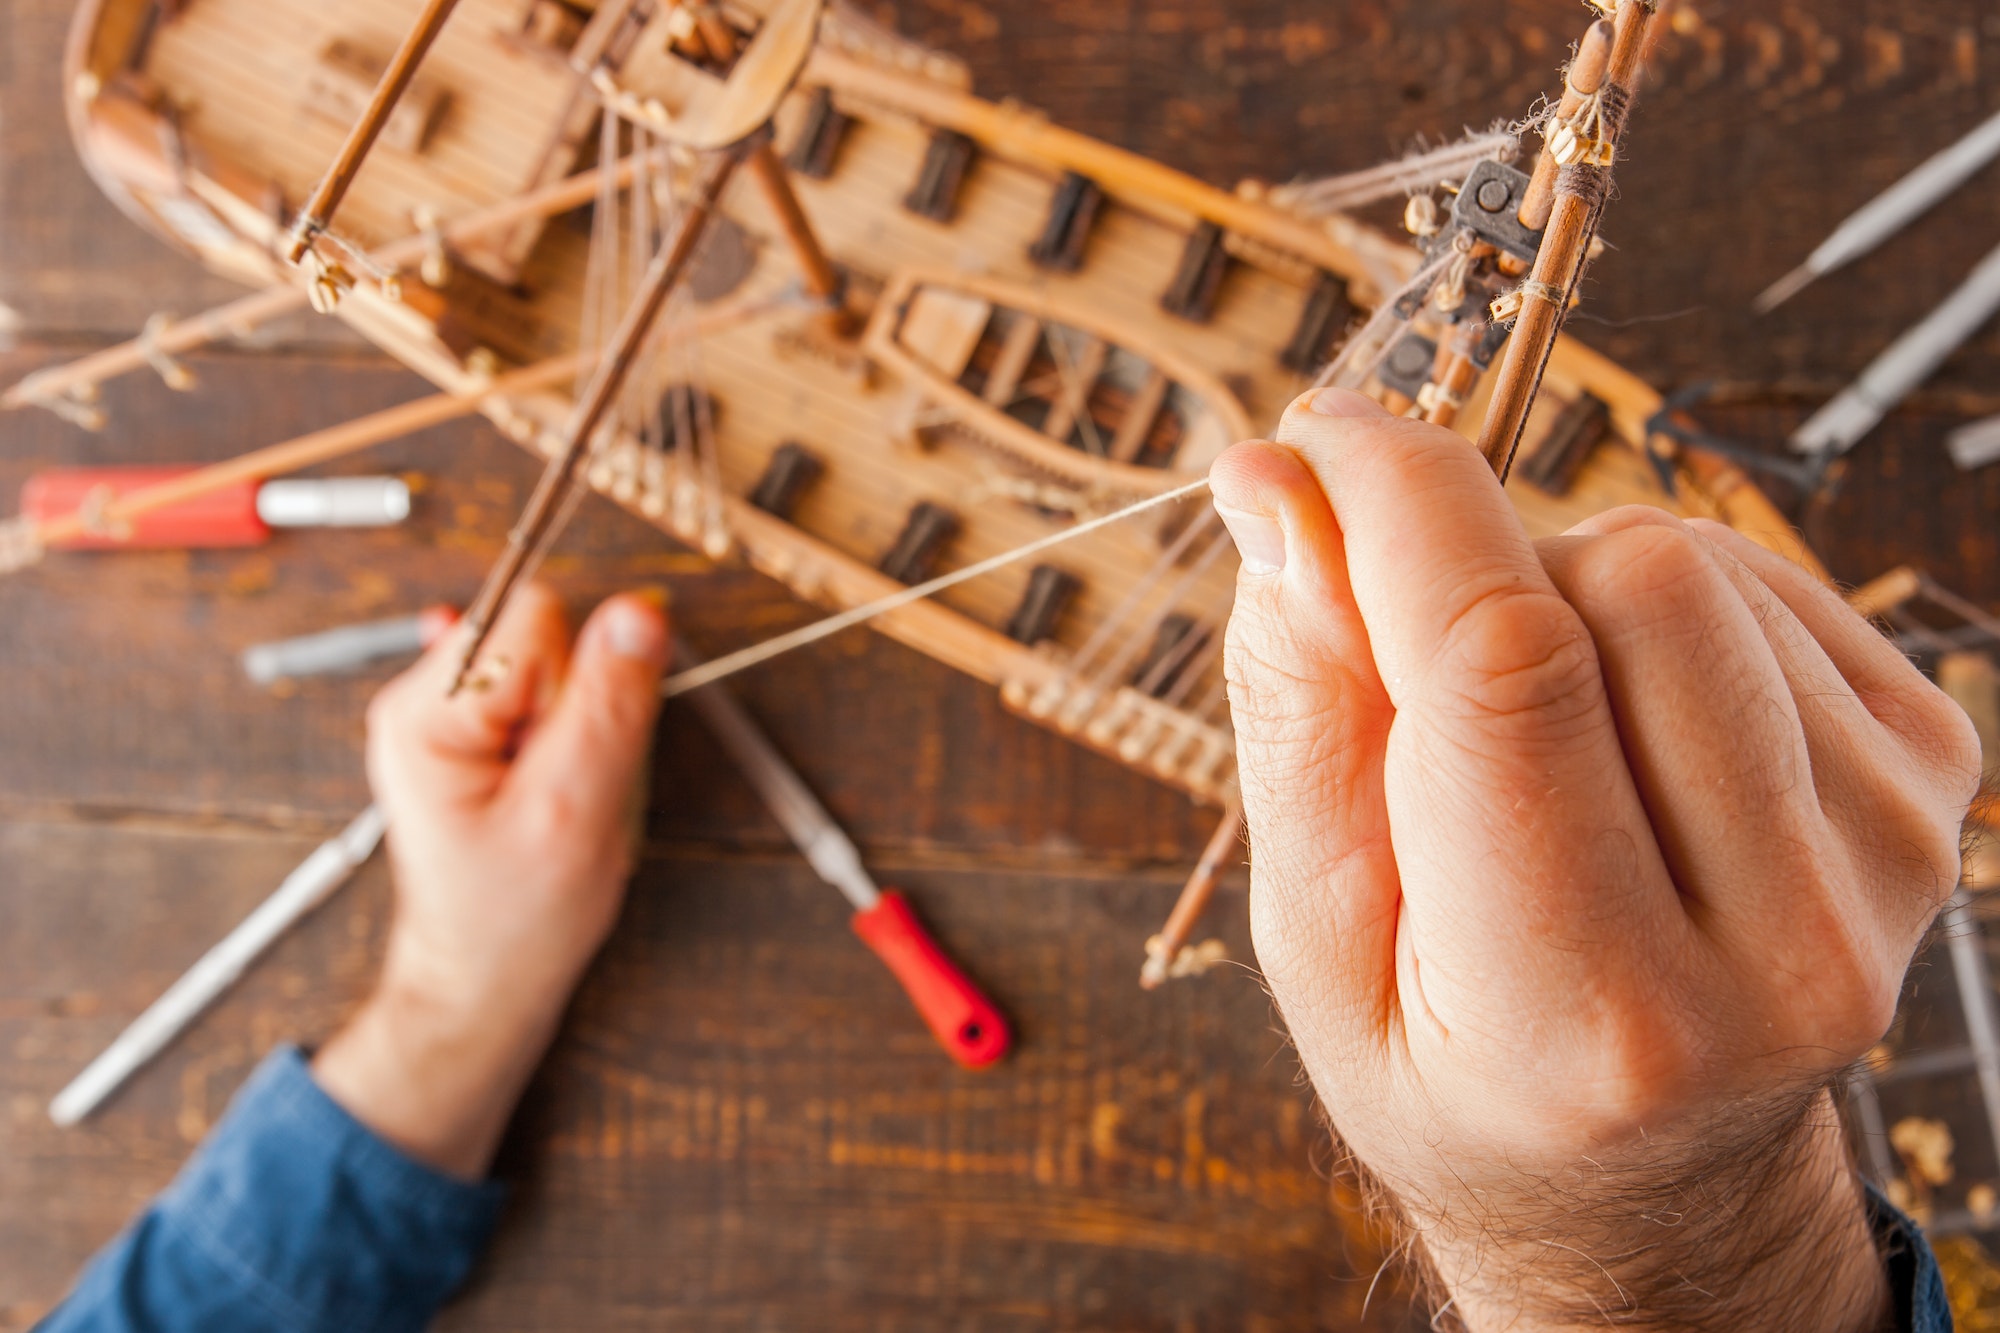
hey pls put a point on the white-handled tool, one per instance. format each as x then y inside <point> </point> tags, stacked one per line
<point>1889,212</point>
<point>303,890</point>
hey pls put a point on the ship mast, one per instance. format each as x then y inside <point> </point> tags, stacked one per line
<point>538,522</point>
<point>318,213</point>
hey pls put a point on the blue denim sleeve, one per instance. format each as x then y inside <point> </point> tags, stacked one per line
<point>1916,1286</point>
<point>293,1216</point>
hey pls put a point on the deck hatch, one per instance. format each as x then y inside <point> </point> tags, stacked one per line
<point>947,162</point>
<point>1072,213</point>
<point>1049,593</point>
<point>817,149</point>
<point>1327,313</point>
<point>1098,404</point>
<point>929,529</point>
<point>793,468</point>
<point>1198,281</point>
<point>1175,644</point>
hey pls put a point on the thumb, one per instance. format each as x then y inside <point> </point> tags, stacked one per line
<point>590,745</point>
<point>1311,720</point>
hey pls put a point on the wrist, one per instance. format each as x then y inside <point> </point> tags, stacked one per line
<point>433,1075</point>
<point>1757,1221</point>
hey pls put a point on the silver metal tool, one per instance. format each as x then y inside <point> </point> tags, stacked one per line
<point>825,846</point>
<point>1890,212</point>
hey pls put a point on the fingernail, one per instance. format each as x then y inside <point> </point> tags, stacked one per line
<point>631,632</point>
<point>1259,540</point>
<point>1345,403</point>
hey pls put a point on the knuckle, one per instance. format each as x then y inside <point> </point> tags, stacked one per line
<point>1514,652</point>
<point>1646,565</point>
<point>1623,519</point>
<point>1643,1063</point>
<point>1925,844</point>
<point>1861,1009</point>
<point>1847,981</point>
<point>1949,738</point>
<point>1937,735</point>
<point>554,820</point>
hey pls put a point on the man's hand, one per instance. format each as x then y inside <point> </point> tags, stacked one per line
<point>1580,867</point>
<point>511,815</point>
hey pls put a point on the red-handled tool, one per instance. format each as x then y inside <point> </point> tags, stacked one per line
<point>242,513</point>
<point>964,1021</point>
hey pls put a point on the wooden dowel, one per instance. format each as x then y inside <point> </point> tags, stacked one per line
<point>1580,192</point>
<point>1632,29</point>
<point>363,432</point>
<point>774,180</point>
<point>1453,383</point>
<point>246,313</point>
<point>689,44</point>
<point>1886,592</point>
<point>716,35</point>
<point>605,384</point>
<point>318,213</point>
<point>595,42</point>
<point>1976,616</point>
<point>319,447</point>
<point>1164,948</point>
<point>1584,77</point>
<point>181,335</point>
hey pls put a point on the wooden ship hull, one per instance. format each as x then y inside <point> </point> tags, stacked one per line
<point>1029,326</point>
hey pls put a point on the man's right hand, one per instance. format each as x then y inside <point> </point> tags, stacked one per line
<point>1580,868</point>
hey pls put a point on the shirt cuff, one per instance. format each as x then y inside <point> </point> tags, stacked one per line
<point>319,1221</point>
<point>1916,1286</point>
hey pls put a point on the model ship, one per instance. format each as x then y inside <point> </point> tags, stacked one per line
<point>777,282</point>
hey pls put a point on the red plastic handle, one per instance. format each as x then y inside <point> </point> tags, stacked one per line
<point>222,518</point>
<point>965,1022</point>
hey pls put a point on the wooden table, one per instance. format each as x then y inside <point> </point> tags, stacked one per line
<point>743,1127</point>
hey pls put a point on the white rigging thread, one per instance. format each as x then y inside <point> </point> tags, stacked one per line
<point>1413,174</point>
<point>618,259</point>
<point>1051,695</point>
<point>714,520</point>
<point>674,380</point>
<point>627,230</point>
<point>602,306</point>
<point>724,667</point>
<point>1364,352</point>
<point>591,331</point>
<point>646,483</point>
<point>1105,681</point>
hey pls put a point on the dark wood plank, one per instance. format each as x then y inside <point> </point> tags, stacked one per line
<point>744,1125</point>
<point>1897,500</point>
<point>149,901</point>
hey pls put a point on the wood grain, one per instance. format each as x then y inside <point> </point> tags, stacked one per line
<point>744,1127</point>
